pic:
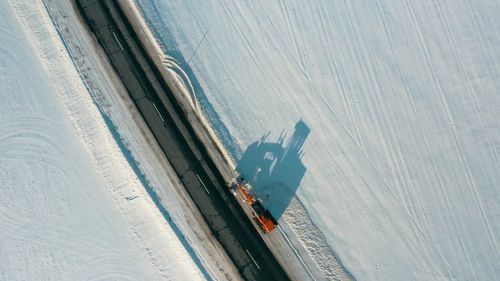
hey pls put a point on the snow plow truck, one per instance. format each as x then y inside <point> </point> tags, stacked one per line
<point>261,215</point>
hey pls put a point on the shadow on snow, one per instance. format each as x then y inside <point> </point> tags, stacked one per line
<point>275,169</point>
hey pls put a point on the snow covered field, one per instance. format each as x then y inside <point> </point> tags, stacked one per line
<point>401,100</point>
<point>71,206</point>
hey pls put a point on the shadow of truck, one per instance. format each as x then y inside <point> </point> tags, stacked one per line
<point>275,170</point>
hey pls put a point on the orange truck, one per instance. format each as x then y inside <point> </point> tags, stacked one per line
<point>262,216</point>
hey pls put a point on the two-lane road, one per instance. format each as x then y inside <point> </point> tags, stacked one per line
<point>173,132</point>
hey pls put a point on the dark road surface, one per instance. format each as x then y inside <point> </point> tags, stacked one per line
<point>189,158</point>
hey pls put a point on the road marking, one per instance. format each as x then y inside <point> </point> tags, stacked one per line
<point>158,112</point>
<point>208,192</point>
<point>117,41</point>
<point>252,259</point>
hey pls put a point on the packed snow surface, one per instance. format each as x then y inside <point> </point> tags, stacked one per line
<point>71,207</point>
<point>402,102</point>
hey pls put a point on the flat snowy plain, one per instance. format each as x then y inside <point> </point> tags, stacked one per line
<point>71,207</point>
<point>402,100</point>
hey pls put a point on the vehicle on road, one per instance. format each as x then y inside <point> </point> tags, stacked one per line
<point>261,215</point>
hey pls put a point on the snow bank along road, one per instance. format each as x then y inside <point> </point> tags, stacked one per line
<point>174,134</point>
<point>71,207</point>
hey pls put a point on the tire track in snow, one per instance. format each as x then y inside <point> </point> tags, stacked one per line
<point>293,35</point>
<point>455,230</point>
<point>405,174</point>
<point>378,105</point>
<point>451,126</point>
<point>488,50</point>
<point>333,65</point>
<point>479,30</point>
<point>409,95</point>
<point>465,79</point>
<point>425,52</point>
<point>470,91</point>
<point>367,158</point>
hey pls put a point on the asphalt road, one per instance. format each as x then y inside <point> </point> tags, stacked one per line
<point>189,158</point>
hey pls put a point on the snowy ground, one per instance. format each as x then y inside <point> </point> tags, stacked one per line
<point>71,206</point>
<point>401,99</point>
